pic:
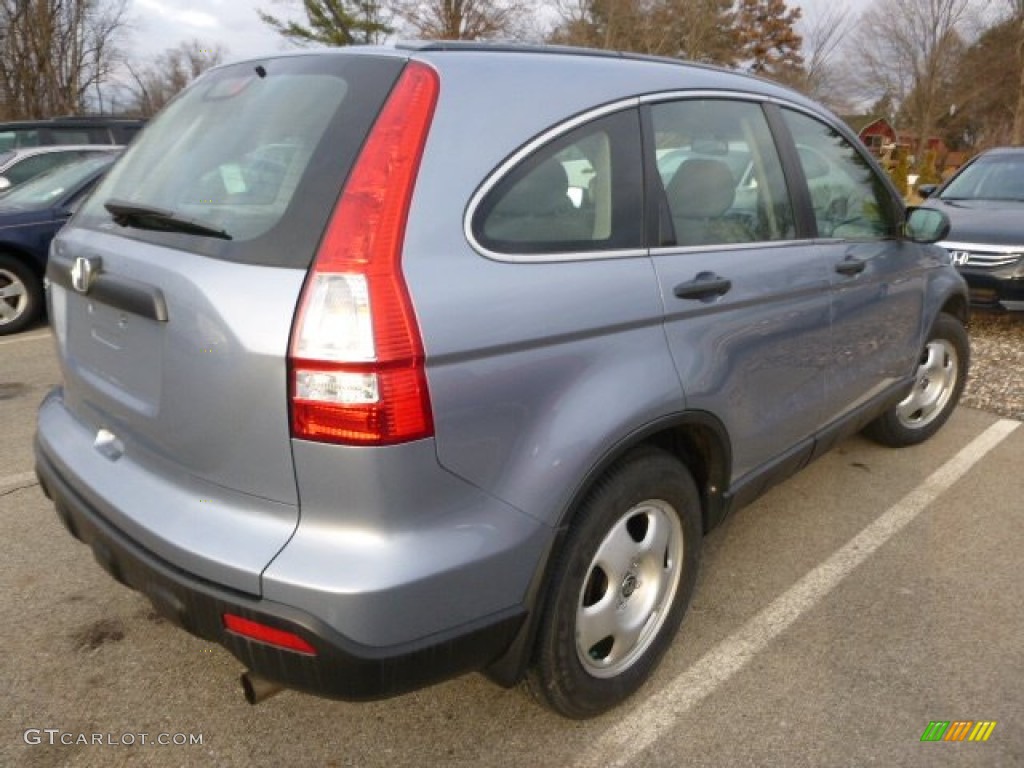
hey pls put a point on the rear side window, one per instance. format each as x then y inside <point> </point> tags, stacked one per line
<point>19,138</point>
<point>849,198</point>
<point>258,151</point>
<point>77,136</point>
<point>720,171</point>
<point>580,193</point>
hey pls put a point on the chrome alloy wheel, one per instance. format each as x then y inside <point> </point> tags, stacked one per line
<point>629,588</point>
<point>934,385</point>
<point>14,298</point>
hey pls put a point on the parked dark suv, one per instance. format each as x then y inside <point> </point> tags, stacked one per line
<point>68,130</point>
<point>382,365</point>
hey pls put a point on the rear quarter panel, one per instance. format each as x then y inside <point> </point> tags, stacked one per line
<point>535,370</point>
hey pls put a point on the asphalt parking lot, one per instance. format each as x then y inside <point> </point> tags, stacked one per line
<point>874,593</point>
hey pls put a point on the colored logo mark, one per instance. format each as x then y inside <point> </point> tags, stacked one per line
<point>958,730</point>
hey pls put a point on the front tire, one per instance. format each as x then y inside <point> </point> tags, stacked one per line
<point>21,295</point>
<point>938,383</point>
<point>621,586</point>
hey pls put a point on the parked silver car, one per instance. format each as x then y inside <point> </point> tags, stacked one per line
<point>382,365</point>
<point>19,165</point>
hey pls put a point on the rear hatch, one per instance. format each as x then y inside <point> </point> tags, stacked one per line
<point>173,292</point>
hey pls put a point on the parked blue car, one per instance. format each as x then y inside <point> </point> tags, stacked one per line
<point>30,216</point>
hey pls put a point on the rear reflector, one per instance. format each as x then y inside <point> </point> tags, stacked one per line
<point>263,633</point>
<point>356,366</point>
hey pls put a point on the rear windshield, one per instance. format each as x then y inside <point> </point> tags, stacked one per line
<point>258,151</point>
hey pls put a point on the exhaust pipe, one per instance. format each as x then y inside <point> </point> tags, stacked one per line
<point>258,689</point>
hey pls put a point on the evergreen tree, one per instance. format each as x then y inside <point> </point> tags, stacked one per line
<point>335,22</point>
<point>768,42</point>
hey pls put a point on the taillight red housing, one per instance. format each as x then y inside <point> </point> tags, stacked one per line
<point>356,365</point>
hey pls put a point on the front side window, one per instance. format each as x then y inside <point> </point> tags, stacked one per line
<point>850,200</point>
<point>580,193</point>
<point>720,172</point>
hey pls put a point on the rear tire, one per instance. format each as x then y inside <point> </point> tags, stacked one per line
<point>938,383</point>
<point>21,295</point>
<point>620,587</point>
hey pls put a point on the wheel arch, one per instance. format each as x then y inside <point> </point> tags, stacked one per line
<point>957,306</point>
<point>699,440</point>
<point>23,257</point>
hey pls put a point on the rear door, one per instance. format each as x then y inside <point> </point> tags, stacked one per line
<point>746,302</point>
<point>173,293</point>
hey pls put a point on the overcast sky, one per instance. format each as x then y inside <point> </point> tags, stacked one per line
<point>160,24</point>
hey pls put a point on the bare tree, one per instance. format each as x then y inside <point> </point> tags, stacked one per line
<point>609,24</point>
<point>987,88</point>
<point>158,82</point>
<point>54,51</point>
<point>1017,17</point>
<point>701,30</point>
<point>463,19</point>
<point>910,49</point>
<point>824,77</point>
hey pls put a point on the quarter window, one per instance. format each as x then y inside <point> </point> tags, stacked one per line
<point>581,193</point>
<point>720,172</point>
<point>850,200</point>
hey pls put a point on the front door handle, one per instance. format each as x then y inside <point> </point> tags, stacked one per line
<point>850,267</point>
<point>706,285</point>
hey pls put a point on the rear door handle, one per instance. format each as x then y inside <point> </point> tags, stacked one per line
<point>706,285</point>
<point>850,267</point>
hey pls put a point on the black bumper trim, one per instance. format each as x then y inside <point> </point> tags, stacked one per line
<point>341,668</point>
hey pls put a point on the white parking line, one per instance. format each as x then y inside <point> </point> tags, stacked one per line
<point>645,723</point>
<point>21,480</point>
<point>23,339</point>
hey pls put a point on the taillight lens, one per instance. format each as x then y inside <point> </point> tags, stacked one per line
<point>356,363</point>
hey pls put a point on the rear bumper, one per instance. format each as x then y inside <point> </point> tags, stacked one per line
<point>341,668</point>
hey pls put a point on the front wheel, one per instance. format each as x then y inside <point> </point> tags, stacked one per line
<point>621,586</point>
<point>938,382</point>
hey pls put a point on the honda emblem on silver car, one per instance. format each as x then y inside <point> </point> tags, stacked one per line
<point>960,258</point>
<point>83,273</point>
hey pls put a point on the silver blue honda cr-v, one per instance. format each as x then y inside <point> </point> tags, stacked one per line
<point>383,365</point>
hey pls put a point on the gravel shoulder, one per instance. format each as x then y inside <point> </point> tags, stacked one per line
<point>996,380</point>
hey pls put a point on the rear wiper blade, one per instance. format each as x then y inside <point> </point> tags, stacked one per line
<point>147,217</point>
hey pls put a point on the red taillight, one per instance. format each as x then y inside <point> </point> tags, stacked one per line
<point>267,634</point>
<point>356,366</point>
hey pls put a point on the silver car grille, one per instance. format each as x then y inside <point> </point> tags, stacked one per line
<point>983,255</point>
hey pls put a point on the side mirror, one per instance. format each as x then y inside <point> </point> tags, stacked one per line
<point>927,190</point>
<point>925,225</point>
